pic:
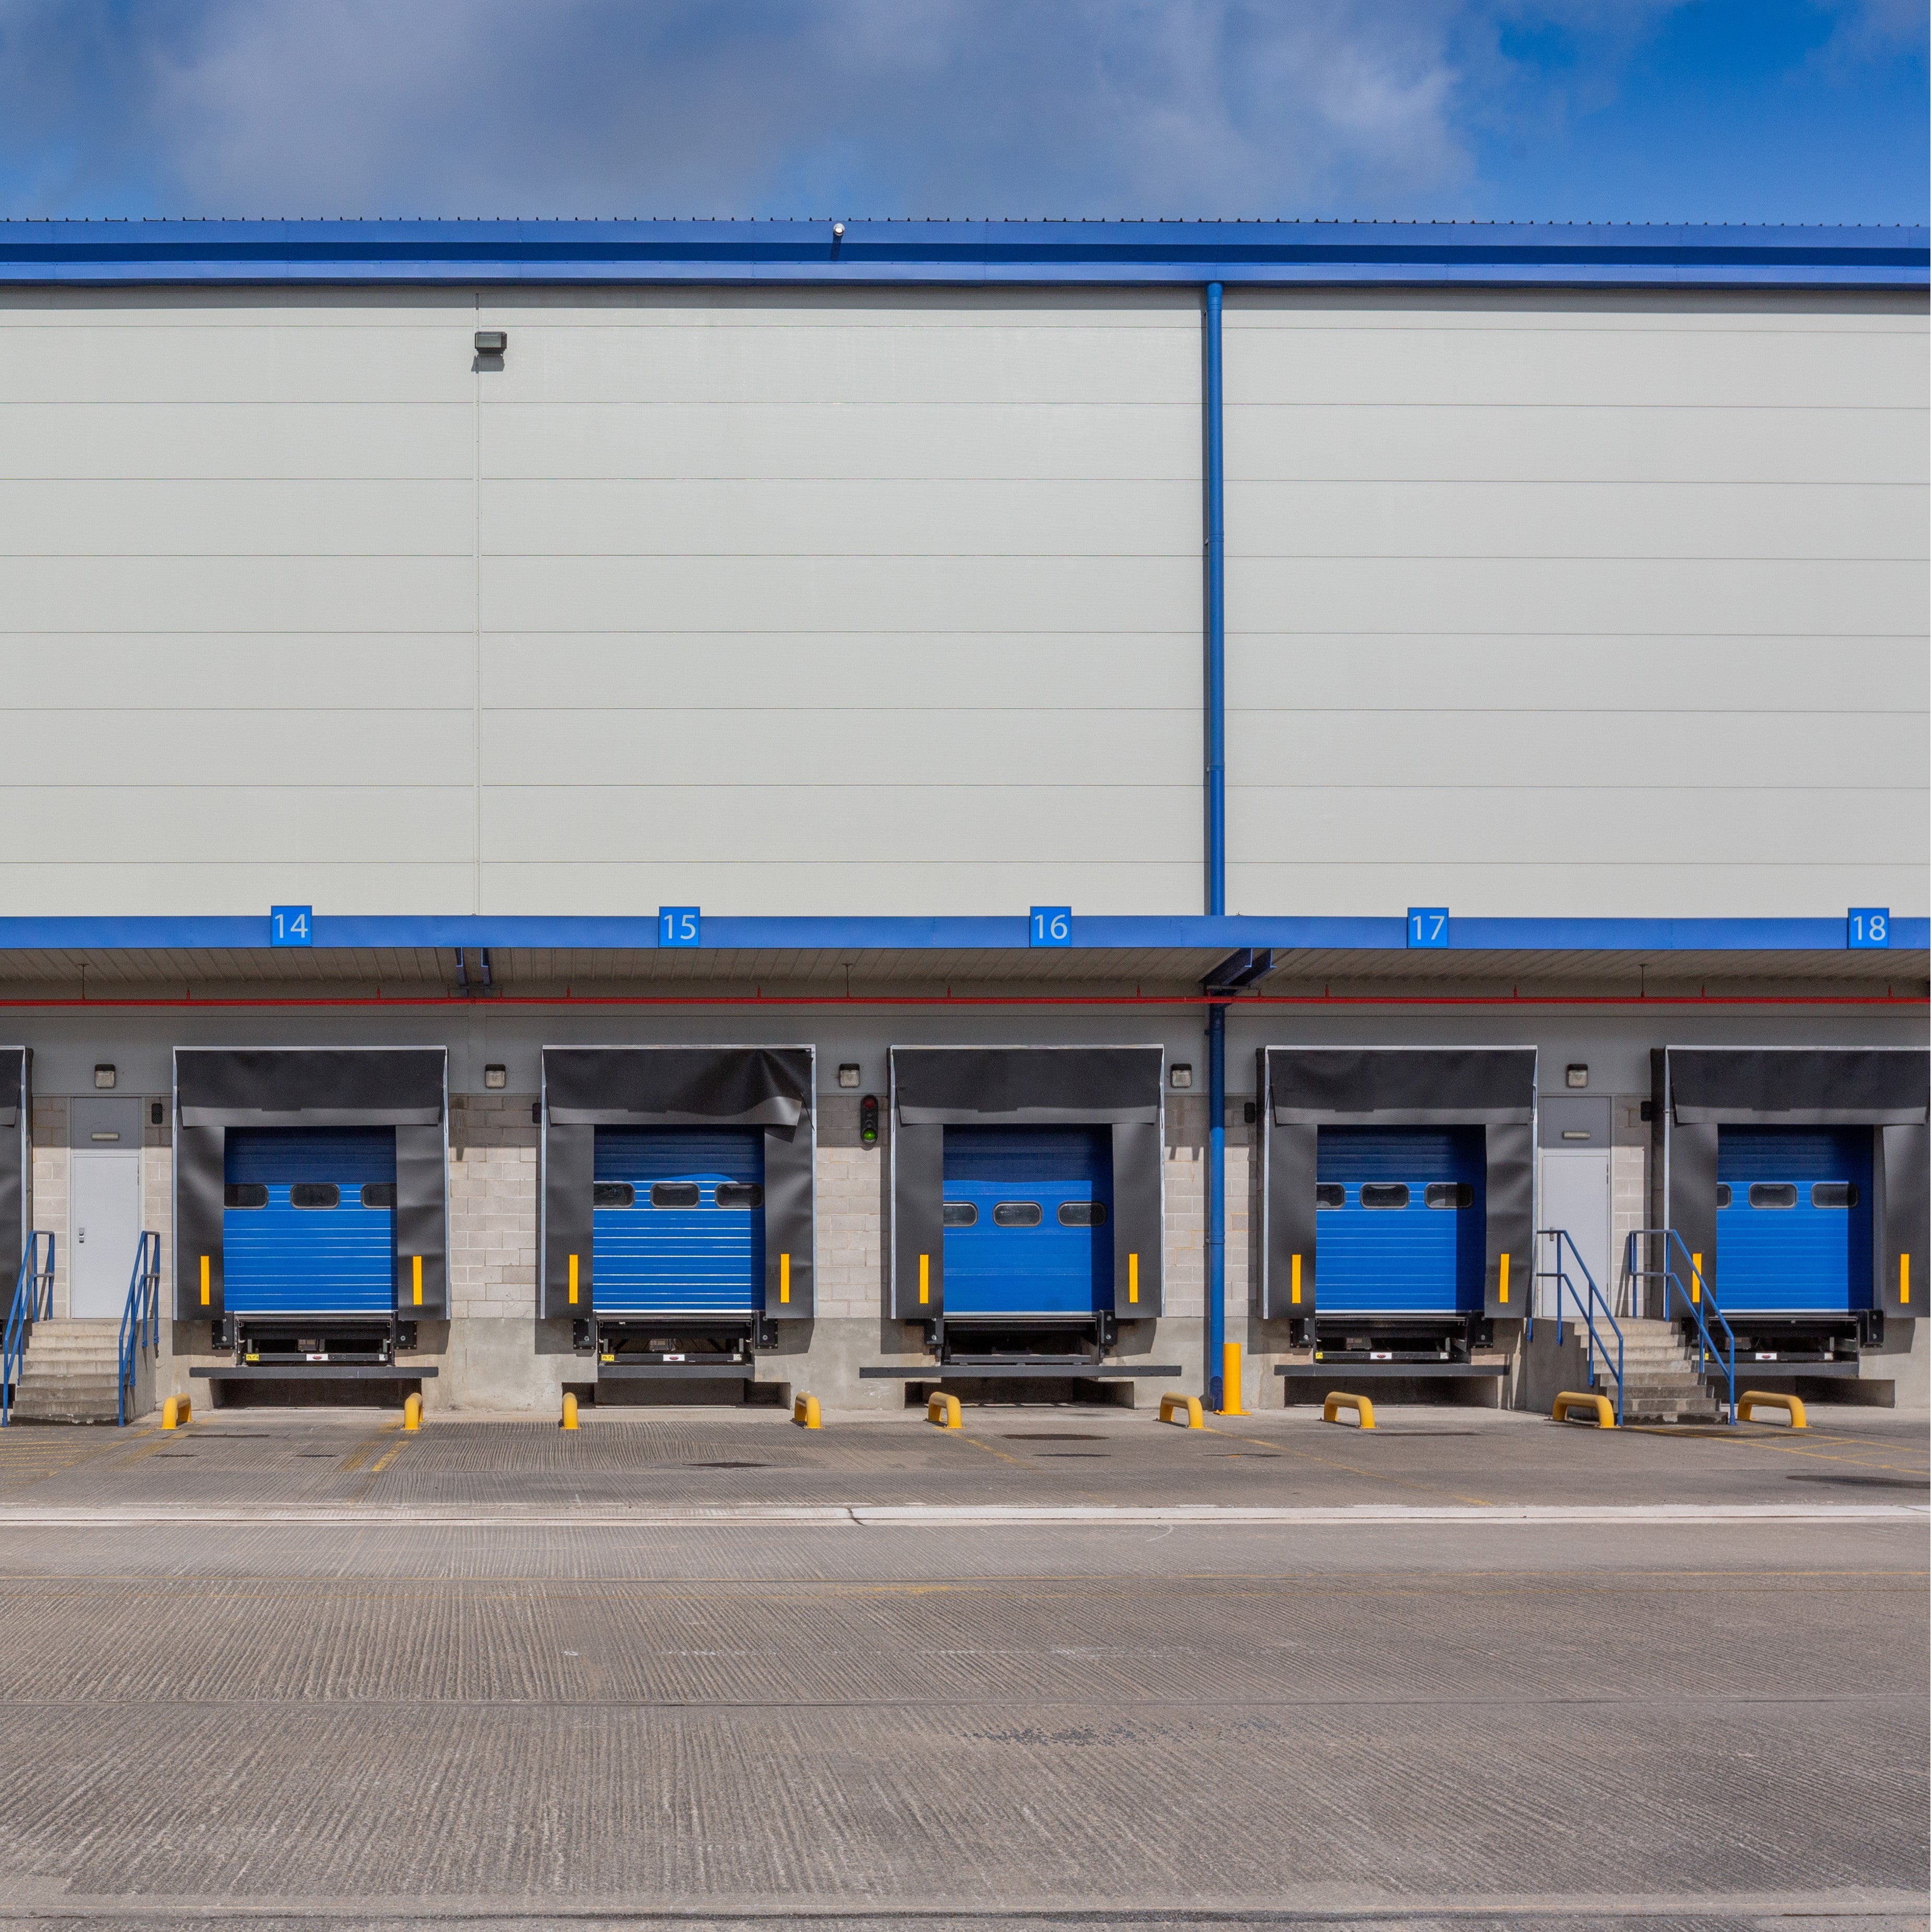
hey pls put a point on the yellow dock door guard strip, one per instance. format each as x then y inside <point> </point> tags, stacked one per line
<point>1294,1281</point>
<point>1904,1282</point>
<point>924,1280</point>
<point>573,1281</point>
<point>785,1277</point>
<point>1133,1277</point>
<point>204,1281</point>
<point>415,1280</point>
<point>1502,1281</point>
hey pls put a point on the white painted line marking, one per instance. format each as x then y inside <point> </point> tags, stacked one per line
<point>896,1516</point>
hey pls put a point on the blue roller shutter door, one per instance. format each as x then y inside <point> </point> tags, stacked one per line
<point>1796,1235</point>
<point>310,1225</point>
<point>677,1248</point>
<point>1413,1242</point>
<point>1029,1221</point>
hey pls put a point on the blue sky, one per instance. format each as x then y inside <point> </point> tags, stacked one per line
<point>1657,110</point>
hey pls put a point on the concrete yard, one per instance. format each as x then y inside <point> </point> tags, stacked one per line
<point>702,1667</point>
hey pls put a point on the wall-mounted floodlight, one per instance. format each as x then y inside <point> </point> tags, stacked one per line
<point>1180,1076</point>
<point>491,341</point>
<point>838,231</point>
<point>496,1076</point>
<point>104,1075</point>
<point>1576,1076</point>
<point>848,1075</point>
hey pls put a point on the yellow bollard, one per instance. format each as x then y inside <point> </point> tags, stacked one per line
<point>176,1411</point>
<point>569,1411</point>
<point>1793,1408</point>
<point>1340,1399</point>
<point>805,1411</point>
<point>1599,1406</point>
<point>943,1410</point>
<point>1184,1409</point>
<point>1230,1379</point>
<point>413,1412</point>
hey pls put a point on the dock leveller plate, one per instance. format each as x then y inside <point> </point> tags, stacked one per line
<point>949,1372</point>
<point>1349,1372</point>
<point>319,1371</point>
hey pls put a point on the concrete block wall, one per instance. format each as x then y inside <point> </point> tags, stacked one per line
<point>492,1207</point>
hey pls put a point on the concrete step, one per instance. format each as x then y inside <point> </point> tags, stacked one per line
<point>71,1372</point>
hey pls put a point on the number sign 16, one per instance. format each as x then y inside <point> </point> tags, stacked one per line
<point>1050,925</point>
<point>1868,925</point>
<point>291,926</point>
<point>1428,926</point>
<point>678,925</point>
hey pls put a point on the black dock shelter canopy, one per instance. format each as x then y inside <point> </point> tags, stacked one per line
<point>16,1164</point>
<point>1118,1088</point>
<point>1305,1089</point>
<point>587,1088</point>
<point>218,1088</point>
<point>1695,1090</point>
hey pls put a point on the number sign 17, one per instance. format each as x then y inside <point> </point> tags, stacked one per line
<point>291,926</point>
<point>1867,925</point>
<point>678,925</point>
<point>1428,926</point>
<point>1050,925</point>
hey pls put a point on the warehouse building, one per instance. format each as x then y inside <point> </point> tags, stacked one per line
<point>687,811</point>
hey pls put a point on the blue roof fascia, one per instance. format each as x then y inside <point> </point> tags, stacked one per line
<point>342,931</point>
<point>973,253</point>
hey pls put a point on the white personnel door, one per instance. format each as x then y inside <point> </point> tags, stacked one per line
<point>104,1223</point>
<point>1576,1197</point>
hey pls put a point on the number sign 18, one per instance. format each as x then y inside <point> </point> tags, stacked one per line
<point>1868,925</point>
<point>291,926</point>
<point>1050,925</point>
<point>1428,926</point>
<point>678,925</point>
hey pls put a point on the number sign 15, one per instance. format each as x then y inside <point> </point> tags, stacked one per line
<point>678,925</point>
<point>1868,925</point>
<point>291,926</point>
<point>1428,926</point>
<point>1050,925</point>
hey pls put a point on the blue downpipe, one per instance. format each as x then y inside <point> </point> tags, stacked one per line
<point>1215,814</point>
<point>1216,1203</point>
<point>1215,803</point>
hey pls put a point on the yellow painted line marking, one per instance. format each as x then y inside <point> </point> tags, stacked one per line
<point>1354,1469</point>
<point>1809,1450</point>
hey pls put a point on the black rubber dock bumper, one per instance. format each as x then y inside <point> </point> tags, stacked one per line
<point>317,1372</point>
<point>669,1372</point>
<point>1445,1371</point>
<point>960,1372</point>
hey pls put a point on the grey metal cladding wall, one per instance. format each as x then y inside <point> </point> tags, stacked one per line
<point>1566,603</point>
<point>771,1087</point>
<point>1306,1087</point>
<point>239,528</point>
<point>898,591</point>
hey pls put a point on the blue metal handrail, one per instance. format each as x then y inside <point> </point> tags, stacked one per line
<point>1589,1299</point>
<point>140,1319</point>
<point>1697,1299</point>
<point>33,1301</point>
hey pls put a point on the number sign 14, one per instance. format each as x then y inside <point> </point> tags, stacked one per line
<point>291,926</point>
